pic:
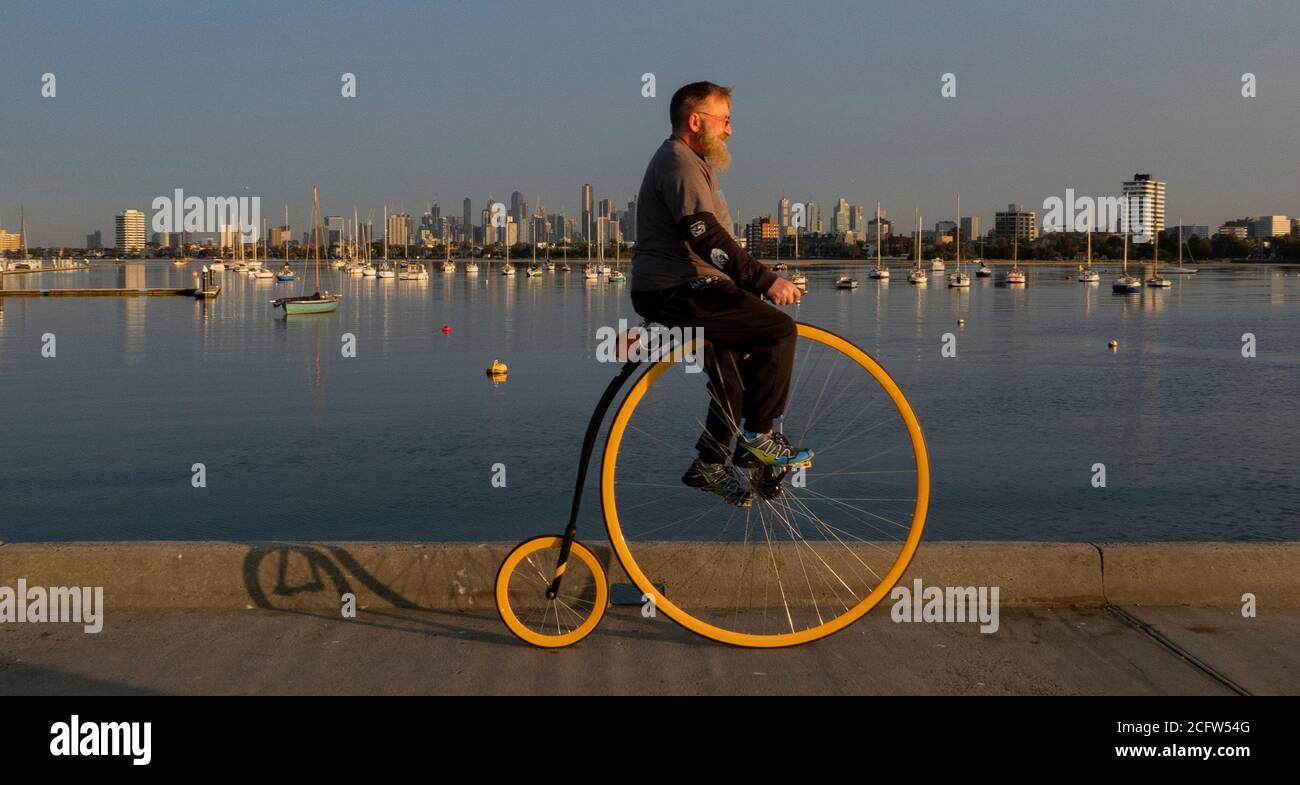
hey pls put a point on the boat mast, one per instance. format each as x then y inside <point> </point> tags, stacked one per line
<point>958,234</point>
<point>877,235</point>
<point>315,233</point>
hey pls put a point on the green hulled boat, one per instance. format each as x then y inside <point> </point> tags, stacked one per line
<point>320,302</point>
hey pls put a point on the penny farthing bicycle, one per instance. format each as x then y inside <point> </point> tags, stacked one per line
<point>816,549</point>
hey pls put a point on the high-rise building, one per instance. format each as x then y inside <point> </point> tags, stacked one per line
<point>840,217</point>
<point>1015,222</point>
<point>334,229</point>
<point>855,220</point>
<point>814,219</point>
<point>518,208</point>
<point>886,228</point>
<point>1266,226</point>
<point>280,235</point>
<point>13,242</point>
<point>467,216</point>
<point>398,230</point>
<point>584,204</point>
<point>489,229</point>
<point>1146,207</point>
<point>944,228</point>
<point>129,231</point>
<point>94,241</point>
<point>783,217</point>
<point>629,223</point>
<point>970,227</point>
<point>762,236</point>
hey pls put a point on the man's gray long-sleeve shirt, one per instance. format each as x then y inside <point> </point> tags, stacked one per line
<point>678,182</point>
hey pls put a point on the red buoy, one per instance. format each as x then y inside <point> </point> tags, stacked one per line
<point>446,329</point>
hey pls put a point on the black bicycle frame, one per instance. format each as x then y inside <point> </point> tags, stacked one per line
<point>588,444</point>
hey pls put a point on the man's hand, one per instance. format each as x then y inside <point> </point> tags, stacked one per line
<point>782,292</point>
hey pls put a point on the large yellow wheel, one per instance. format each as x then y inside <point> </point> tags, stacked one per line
<point>815,550</point>
<point>521,587</point>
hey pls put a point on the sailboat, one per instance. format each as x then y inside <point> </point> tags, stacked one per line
<point>448,266</point>
<point>1015,276</point>
<point>1089,275</point>
<point>1126,284</point>
<point>506,267</point>
<point>958,279</point>
<point>984,270</point>
<point>918,274</point>
<point>385,269</point>
<point>1178,268</point>
<point>1155,281</point>
<point>880,272</point>
<point>368,269</point>
<point>183,260</point>
<point>320,302</point>
<point>471,266</point>
<point>27,262</point>
<point>286,272</point>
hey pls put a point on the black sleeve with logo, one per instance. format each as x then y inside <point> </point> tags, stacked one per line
<point>715,245</point>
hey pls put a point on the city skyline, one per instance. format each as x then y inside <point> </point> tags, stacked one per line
<point>843,102</point>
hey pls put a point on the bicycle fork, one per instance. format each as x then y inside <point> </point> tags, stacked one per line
<point>588,443</point>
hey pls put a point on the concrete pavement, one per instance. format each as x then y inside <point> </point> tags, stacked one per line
<point>1205,651</point>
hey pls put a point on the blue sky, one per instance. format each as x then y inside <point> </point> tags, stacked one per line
<point>480,99</point>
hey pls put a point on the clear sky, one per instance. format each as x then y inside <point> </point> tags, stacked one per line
<point>483,98</point>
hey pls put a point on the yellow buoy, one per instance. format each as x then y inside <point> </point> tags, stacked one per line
<point>497,368</point>
<point>1114,344</point>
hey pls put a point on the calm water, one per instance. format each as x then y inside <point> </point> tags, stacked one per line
<point>398,442</point>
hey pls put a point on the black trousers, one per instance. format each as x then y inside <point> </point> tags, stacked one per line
<point>748,355</point>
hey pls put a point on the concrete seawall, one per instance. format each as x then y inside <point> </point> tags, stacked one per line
<point>460,576</point>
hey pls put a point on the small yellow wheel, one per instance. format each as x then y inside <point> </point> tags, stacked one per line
<point>522,583</point>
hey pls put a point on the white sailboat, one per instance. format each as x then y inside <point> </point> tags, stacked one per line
<point>1178,268</point>
<point>1089,275</point>
<point>1126,284</point>
<point>1155,281</point>
<point>1015,276</point>
<point>385,269</point>
<point>958,279</point>
<point>918,274</point>
<point>26,262</point>
<point>880,272</point>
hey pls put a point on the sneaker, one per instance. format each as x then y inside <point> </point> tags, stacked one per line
<point>769,449</point>
<point>717,478</point>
